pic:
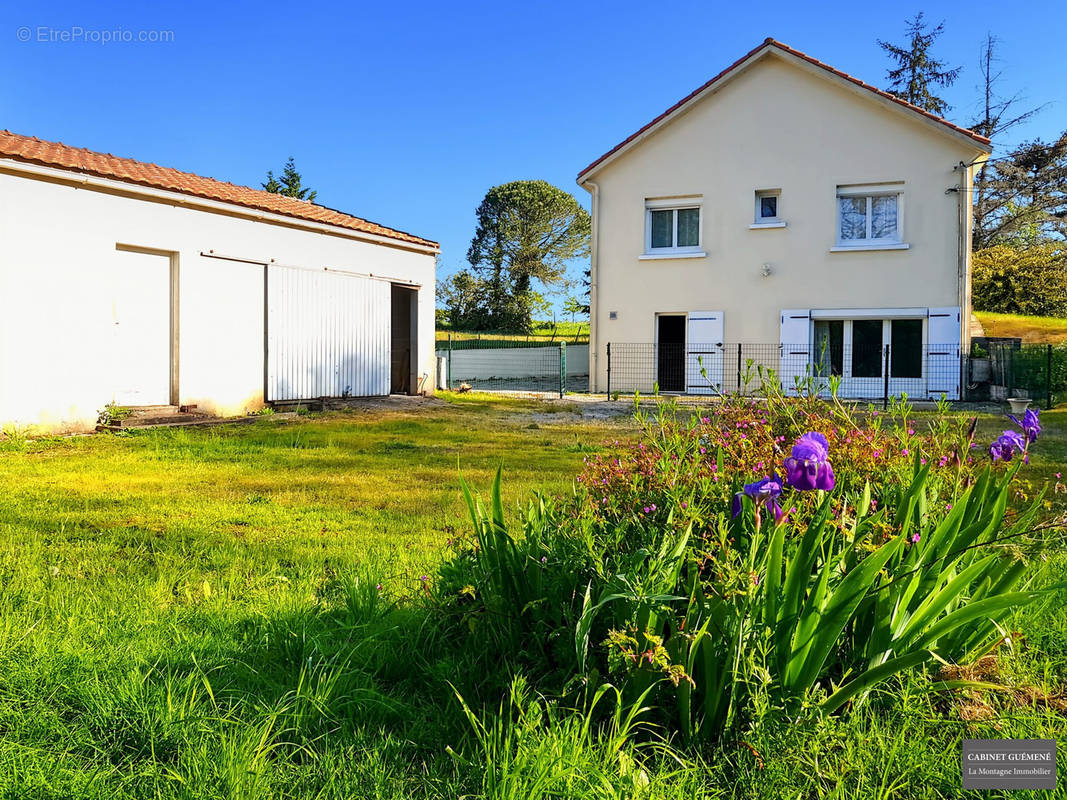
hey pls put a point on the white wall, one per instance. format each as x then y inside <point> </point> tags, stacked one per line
<point>515,362</point>
<point>775,126</point>
<point>57,257</point>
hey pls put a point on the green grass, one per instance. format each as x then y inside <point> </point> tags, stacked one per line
<point>543,331</point>
<point>194,613</point>
<point>1030,329</point>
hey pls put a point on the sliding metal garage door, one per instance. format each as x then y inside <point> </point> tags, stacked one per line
<point>327,335</point>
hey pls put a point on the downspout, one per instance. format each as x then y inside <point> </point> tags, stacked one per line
<point>594,338</point>
<point>963,277</point>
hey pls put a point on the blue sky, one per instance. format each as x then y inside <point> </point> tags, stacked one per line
<point>405,113</point>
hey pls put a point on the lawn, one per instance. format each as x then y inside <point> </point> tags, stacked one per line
<point>196,613</point>
<point>1041,330</point>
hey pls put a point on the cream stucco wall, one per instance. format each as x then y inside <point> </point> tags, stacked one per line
<point>57,267</point>
<point>779,126</point>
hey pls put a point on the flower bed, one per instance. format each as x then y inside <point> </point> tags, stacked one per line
<point>760,555</point>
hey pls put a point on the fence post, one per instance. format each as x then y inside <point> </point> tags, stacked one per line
<point>562,368</point>
<point>1048,373</point>
<point>739,367</point>
<point>448,378</point>
<point>609,370</point>
<point>885,382</point>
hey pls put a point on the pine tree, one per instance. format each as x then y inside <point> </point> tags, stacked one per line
<point>289,184</point>
<point>917,71</point>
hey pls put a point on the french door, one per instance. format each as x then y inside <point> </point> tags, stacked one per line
<point>855,351</point>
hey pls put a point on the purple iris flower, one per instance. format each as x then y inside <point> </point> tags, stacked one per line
<point>764,492</point>
<point>808,466</point>
<point>1030,423</point>
<point>1005,445</point>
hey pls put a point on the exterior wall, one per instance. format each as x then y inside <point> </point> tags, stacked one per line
<point>57,256</point>
<point>514,362</point>
<point>775,126</point>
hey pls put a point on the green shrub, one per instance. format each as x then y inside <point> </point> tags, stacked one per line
<point>1021,280</point>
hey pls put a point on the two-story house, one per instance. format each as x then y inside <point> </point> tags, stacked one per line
<point>788,214</point>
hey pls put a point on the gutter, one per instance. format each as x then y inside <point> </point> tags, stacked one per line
<point>76,179</point>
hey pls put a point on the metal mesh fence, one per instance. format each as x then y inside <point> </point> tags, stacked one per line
<point>994,371</point>
<point>999,369</point>
<point>876,372</point>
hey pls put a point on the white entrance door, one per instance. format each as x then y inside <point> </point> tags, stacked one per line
<point>141,306</point>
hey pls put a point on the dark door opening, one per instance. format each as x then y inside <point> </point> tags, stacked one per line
<point>670,356</point>
<point>403,340</point>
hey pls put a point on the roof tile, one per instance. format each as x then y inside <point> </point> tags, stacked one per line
<point>105,165</point>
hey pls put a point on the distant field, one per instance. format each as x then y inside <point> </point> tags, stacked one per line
<point>543,331</point>
<point>1029,329</point>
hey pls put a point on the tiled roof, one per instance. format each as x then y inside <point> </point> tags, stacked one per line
<point>105,165</point>
<point>768,43</point>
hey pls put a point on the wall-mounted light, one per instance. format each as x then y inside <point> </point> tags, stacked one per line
<point>766,271</point>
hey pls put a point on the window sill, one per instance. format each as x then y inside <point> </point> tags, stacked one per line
<point>852,248</point>
<point>759,226</point>
<point>666,256</point>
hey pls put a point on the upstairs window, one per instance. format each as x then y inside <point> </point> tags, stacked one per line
<point>868,216</point>
<point>672,229</point>
<point>767,208</point>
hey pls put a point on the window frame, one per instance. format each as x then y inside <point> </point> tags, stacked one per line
<point>674,205</point>
<point>759,219</point>
<point>848,346</point>
<point>868,193</point>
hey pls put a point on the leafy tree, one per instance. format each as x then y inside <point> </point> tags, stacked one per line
<point>1028,280</point>
<point>289,183</point>
<point>573,307</point>
<point>917,71</point>
<point>1024,195</point>
<point>527,231</point>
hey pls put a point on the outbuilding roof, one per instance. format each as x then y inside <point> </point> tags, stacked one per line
<point>766,46</point>
<point>104,165</point>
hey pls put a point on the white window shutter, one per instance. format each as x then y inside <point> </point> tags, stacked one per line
<point>704,350</point>
<point>795,342</point>
<point>943,348</point>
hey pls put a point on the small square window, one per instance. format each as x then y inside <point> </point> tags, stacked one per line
<point>767,207</point>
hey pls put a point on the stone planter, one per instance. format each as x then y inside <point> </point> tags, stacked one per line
<point>1018,405</point>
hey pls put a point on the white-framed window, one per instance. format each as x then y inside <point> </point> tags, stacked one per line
<point>768,207</point>
<point>673,227</point>
<point>870,217</point>
<point>856,348</point>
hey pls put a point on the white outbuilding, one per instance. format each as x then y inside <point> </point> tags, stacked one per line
<point>128,283</point>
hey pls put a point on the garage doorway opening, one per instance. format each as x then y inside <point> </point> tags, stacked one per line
<point>404,337</point>
<point>670,352</point>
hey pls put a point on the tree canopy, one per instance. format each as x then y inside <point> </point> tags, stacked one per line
<point>917,72</point>
<point>528,232</point>
<point>289,183</point>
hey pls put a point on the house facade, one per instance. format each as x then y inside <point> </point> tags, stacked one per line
<point>139,285</point>
<point>789,216</point>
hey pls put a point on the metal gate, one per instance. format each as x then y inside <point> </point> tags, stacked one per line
<point>328,335</point>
